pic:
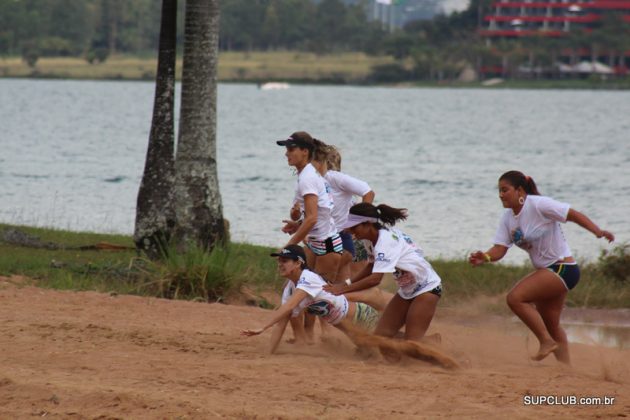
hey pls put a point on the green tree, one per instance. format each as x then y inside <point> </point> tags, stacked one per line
<point>271,30</point>
<point>241,24</point>
<point>330,17</point>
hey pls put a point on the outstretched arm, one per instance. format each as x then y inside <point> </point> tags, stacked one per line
<point>278,331</point>
<point>281,313</point>
<point>582,220</point>
<point>493,254</point>
<point>364,280</point>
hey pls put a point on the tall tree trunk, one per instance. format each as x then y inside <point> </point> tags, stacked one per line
<point>198,208</point>
<point>154,212</point>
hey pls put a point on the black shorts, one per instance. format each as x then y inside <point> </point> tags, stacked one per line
<point>346,240</point>
<point>569,273</point>
<point>437,291</point>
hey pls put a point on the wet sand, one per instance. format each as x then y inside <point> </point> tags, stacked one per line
<point>92,355</point>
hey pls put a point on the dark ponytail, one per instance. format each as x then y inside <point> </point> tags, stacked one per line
<point>384,213</point>
<point>520,180</point>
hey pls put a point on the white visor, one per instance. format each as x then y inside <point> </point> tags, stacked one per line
<point>354,219</point>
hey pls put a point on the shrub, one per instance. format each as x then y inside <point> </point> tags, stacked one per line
<point>193,274</point>
<point>616,263</point>
<point>97,55</point>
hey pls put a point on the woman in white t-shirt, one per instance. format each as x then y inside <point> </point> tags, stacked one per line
<point>312,207</point>
<point>327,161</point>
<point>305,291</point>
<point>392,251</point>
<point>532,222</point>
<point>344,188</point>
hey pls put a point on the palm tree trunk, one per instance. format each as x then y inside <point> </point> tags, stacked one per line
<point>154,213</point>
<point>198,207</point>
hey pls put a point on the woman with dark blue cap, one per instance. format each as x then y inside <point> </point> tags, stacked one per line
<point>312,205</point>
<point>309,294</point>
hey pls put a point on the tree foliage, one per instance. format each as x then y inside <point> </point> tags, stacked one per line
<point>427,49</point>
<point>89,27</point>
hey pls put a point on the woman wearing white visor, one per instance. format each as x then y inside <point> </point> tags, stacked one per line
<point>392,251</point>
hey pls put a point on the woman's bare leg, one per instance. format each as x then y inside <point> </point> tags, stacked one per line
<point>419,315</point>
<point>538,286</point>
<point>344,267</point>
<point>392,319</point>
<point>327,265</point>
<point>550,311</point>
<point>374,296</point>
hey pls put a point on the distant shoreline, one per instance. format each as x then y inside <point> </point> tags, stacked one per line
<point>279,66</point>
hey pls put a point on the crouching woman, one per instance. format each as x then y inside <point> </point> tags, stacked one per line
<point>309,294</point>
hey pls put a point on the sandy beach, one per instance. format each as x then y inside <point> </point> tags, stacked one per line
<point>95,355</point>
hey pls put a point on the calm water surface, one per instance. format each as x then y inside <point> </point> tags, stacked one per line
<point>72,154</point>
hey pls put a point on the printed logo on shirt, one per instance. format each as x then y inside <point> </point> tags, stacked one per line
<point>380,257</point>
<point>319,308</point>
<point>325,309</point>
<point>519,239</point>
<point>407,239</point>
<point>304,281</point>
<point>404,278</point>
<point>394,237</point>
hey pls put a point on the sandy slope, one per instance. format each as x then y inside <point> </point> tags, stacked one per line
<point>91,355</point>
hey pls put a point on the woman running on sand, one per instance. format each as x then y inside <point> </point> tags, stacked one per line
<point>344,188</point>
<point>392,251</point>
<point>532,222</point>
<point>312,208</point>
<point>308,293</point>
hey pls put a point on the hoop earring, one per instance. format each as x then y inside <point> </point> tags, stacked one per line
<point>521,200</point>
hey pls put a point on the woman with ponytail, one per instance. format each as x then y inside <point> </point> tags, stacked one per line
<point>392,251</point>
<point>344,189</point>
<point>311,213</point>
<point>532,222</point>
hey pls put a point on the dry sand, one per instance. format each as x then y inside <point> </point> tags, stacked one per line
<point>91,355</point>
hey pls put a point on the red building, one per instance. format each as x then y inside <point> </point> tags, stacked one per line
<point>512,19</point>
<point>550,18</point>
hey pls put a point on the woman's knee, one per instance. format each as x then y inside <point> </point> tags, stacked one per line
<point>513,299</point>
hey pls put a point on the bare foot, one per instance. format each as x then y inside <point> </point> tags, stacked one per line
<point>300,342</point>
<point>545,349</point>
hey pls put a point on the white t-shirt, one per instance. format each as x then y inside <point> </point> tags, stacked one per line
<point>536,229</point>
<point>397,253</point>
<point>344,188</point>
<point>311,182</point>
<point>319,302</point>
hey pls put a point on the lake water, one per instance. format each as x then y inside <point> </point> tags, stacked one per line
<point>72,155</point>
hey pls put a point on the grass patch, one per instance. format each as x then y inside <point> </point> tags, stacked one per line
<point>233,66</point>
<point>213,277</point>
<point>195,275</point>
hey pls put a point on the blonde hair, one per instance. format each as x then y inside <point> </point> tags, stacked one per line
<point>333,158</point>
<point>328,154</point>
